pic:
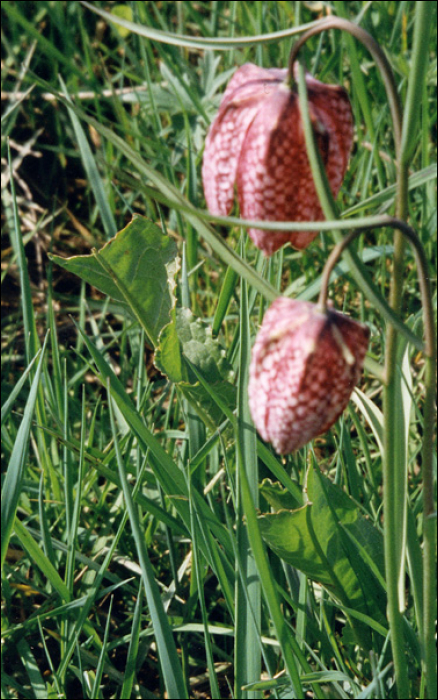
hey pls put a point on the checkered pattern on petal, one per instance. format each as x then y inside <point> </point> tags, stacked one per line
<point>257,141</point>
<point>304,367</point>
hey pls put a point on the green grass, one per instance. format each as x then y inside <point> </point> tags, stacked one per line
<point>133,560</point>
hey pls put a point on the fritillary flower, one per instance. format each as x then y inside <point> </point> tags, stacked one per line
<point>257,142</point>
<point>305,364</point>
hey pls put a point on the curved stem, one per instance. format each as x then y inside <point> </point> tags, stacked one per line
<point>423,273</point>
<point>330,265</point>
<point>403,229</point>
<point>375,50</point>
<point>395,467</point>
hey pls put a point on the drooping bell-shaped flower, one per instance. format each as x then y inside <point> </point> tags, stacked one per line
<point>257,142</point>
<point>305,364</point>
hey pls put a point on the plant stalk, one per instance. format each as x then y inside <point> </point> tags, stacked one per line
<point>395,483</point>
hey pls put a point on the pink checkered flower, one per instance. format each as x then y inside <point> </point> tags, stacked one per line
<point>305,364</point>
<point>257,141</point>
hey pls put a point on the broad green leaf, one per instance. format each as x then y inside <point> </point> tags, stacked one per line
<point>287,533</point>
<point>137,269</point>
<point>278,497</point>
<point>331,542</point>
<point>188,338</point>
<point>203,403</point>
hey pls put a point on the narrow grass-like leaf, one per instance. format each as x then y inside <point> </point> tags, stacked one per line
<point>247,664</point>
<point>92,171</point>
<point>402,418</point>
<point>40,560</point>
<point>289,646</point>
<point>10,401</point>
<point>422,26</point>
<point>385,197</point>
<point>373,688</point>
<point>131,659</point>
<point>372,414</point>
<point>95,691</point>
<point>170,664</point>
<point>195,42</point>
<point>11,109</point>
<point>197,564</point>
<point>13,482</point>
<point>36,681</point>
<point>360,89</point>
<point>224,300</point>
<point>31,337</point>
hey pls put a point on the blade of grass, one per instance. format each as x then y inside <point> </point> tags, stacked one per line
<point>40,560</point>
<point>131,659</point>
<point>247,660</point>
<point>170,663</point>
<point>285,636</point>
<point>195,42</point>
<point>172,480</point>
<point>11,400</point>
<point>29,662</point>
<point>92,171</point>
<point>30,331</point>
<point>14,478</point>
<point>225,296</point>
<point>47,47</point>
<point>32,343</point>
<point>357,80</point>
<point>95,690</point>
<point>423,23</point>
<point>197,562</point>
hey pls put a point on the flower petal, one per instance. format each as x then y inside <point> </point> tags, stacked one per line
<point>304,367</point>
<point>274,178</point>
<point>241,100</point>
<point>332,107</point>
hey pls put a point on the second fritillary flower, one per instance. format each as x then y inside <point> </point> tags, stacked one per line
<point>305,364</point>
<point>257,142</point>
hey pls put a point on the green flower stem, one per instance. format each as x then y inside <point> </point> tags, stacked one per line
<point>357,268</point>
<point>407,232</point>
<point>375,50</point>
<point>429,402</point>
<point>391,533</point>
<point>394,481</point>
<point>423,23</point>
